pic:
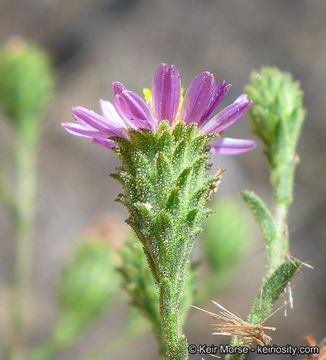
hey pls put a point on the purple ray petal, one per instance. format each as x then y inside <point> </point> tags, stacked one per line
<point>122,107</point>
<point>166,92</point>
<point>89,119</point>
<point>118,88</point>
<point>198,97</point>
<point>117,104</point>
<point>79,130</point>
<point>109,111</point>
<point>229,146</point>
<point>135,109</point>
<point>228,116</point>
<point>220,91</point>
<point>104,142</point>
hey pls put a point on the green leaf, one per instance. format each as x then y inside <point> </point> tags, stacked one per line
<point>262,214</point>
<point>272,289</point>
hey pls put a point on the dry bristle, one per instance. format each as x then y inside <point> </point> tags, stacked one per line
<point>229,324</point>
<point>215,185</point>
<point>292,258</point>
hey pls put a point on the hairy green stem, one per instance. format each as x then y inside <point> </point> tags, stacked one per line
<point>158,331</point>
<point>276,253</point>
<point>278,249</point>
<point>175,341</point>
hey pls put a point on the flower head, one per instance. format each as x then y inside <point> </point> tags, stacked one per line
<point>165,102</point>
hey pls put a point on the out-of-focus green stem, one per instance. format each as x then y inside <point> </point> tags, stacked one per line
<point>25,167</point>
<point>7,196</point>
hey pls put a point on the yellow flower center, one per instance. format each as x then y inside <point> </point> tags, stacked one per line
<point>147,93</point>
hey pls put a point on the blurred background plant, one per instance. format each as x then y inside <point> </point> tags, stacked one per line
<point>88,286</point>
<point>91,44</point>
<point>26,83</point>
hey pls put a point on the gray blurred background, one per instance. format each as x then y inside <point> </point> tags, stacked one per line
<point>94,42</point>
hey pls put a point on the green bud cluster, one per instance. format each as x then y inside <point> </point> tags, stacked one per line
<point>277,115</point>
<point>163,174</point>
<point>26,84</point>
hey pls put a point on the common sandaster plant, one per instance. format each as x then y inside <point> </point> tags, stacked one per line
<point>164,141</point>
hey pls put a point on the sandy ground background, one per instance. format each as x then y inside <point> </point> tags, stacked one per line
<point>97,41</point>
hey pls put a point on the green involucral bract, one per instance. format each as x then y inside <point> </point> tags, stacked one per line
<point>164,177</point>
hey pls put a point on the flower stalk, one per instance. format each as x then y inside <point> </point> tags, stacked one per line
<point>277,116</point>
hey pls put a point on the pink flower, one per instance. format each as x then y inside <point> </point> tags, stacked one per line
<point>131,111</point>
